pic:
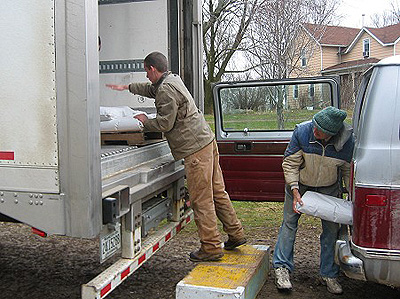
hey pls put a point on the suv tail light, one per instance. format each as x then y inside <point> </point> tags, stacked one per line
<point>375,200</point>
<point>375,224</point>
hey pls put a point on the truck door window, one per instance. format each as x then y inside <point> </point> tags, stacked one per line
<point>271,107</point>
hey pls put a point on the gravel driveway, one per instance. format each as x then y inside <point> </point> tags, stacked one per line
<point>55,267</point>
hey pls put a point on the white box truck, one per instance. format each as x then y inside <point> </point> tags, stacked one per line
<point>55,175</point>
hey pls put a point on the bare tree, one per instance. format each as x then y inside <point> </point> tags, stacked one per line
<point>225,25</point>
<point>387,17</point>
<point>395,11</point>
<point>276,29</point>
<point>276,44</point>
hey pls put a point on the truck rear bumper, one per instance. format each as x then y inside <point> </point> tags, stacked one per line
<point>351,265</point>
<point>380,265</point>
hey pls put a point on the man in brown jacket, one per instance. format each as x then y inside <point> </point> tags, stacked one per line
<point>190,138</point>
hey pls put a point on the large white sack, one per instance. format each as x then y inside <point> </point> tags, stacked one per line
<point>327,207</point>
<point>121,119</point>
<point>108,113</point>
<point>122,124</point>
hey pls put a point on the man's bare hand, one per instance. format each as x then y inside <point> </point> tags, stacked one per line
<point>118,87</point>
<point>141,117</point>
<point>296,199</point>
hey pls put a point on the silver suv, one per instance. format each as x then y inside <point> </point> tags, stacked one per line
<point>373,250</point>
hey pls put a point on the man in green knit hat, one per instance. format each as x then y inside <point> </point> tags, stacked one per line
<point>317,151</point>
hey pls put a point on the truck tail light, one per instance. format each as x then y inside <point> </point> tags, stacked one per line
<point>374,224</point>
<point>375,200</point>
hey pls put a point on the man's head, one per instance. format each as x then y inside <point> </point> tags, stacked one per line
<point>328,121</point>
<point>155,65</point>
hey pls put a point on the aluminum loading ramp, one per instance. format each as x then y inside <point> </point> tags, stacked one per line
<point>239,275</point>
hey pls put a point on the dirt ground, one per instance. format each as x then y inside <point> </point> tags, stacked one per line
<point>55,267</point>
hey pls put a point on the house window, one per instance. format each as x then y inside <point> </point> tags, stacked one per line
<point>366,48</point>
<point>296,92</point>
<point>311,91</point>
<point>303,58</point>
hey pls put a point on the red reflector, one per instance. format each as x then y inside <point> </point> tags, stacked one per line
<point>142,259</point>
<point>6,155</point>
<point>125,273</point>
<point>188,219</point>
<point>105,290</point>
<point>39,232</point>
<point>178,228</point>
<point>168,236</point>
<point>155,247</point>
<point>376,200</point>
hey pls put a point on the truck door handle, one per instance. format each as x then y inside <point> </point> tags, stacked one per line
<point>243,146</point>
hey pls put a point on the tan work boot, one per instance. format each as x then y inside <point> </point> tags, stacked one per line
<point>201,256</point>
<point>230,244</point>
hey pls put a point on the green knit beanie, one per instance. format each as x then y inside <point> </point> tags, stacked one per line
<point>329,120</point>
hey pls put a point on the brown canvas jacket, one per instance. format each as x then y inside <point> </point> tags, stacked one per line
<point>177,117</point>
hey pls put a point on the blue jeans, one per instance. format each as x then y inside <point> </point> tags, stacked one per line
<point>283,253</point>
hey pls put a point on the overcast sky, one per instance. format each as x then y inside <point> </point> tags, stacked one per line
<point>352,11</point>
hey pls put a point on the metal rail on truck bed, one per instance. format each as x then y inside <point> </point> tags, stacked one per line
<point>141,186</point>
<point>144,186</point>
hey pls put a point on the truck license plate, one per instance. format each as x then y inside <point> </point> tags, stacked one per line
<point>110,243</point>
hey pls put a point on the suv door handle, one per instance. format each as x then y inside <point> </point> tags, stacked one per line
<point>243,146</point>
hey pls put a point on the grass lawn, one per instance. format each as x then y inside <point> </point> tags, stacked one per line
<point>256,217</point>
<point>265,120</point>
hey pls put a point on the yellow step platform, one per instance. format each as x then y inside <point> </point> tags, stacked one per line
<point>240,274</point>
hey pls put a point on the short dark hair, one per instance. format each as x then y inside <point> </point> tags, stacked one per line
<point>157,60</point>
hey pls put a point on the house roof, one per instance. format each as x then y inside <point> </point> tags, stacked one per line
<point>386,35</point>
<point>352,64</point>
<point>332,35</point>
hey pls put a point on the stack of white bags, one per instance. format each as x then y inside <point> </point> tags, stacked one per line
<point>121,119</point>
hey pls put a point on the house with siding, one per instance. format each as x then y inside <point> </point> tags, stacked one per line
<point>346,52</point>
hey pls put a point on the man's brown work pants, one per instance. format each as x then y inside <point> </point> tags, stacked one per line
<point>209,199</point>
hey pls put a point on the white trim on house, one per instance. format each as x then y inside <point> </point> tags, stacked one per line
<point>308,32</point>
<point>322,57</point>
<point>346,69</point>
<point>330,45</point>
<point>364,29</point>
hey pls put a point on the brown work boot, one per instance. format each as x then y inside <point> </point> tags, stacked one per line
<point>201,256</point>
<point>231,244</point>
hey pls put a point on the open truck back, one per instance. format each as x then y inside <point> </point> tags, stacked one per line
<point>55,174</point>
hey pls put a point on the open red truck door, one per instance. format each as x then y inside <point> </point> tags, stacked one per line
<point>254,121</point>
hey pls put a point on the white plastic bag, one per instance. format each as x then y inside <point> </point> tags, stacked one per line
<point>327,207</point>
<point>122,124</point>
<point>109,113</point>
<point>121,119</point>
